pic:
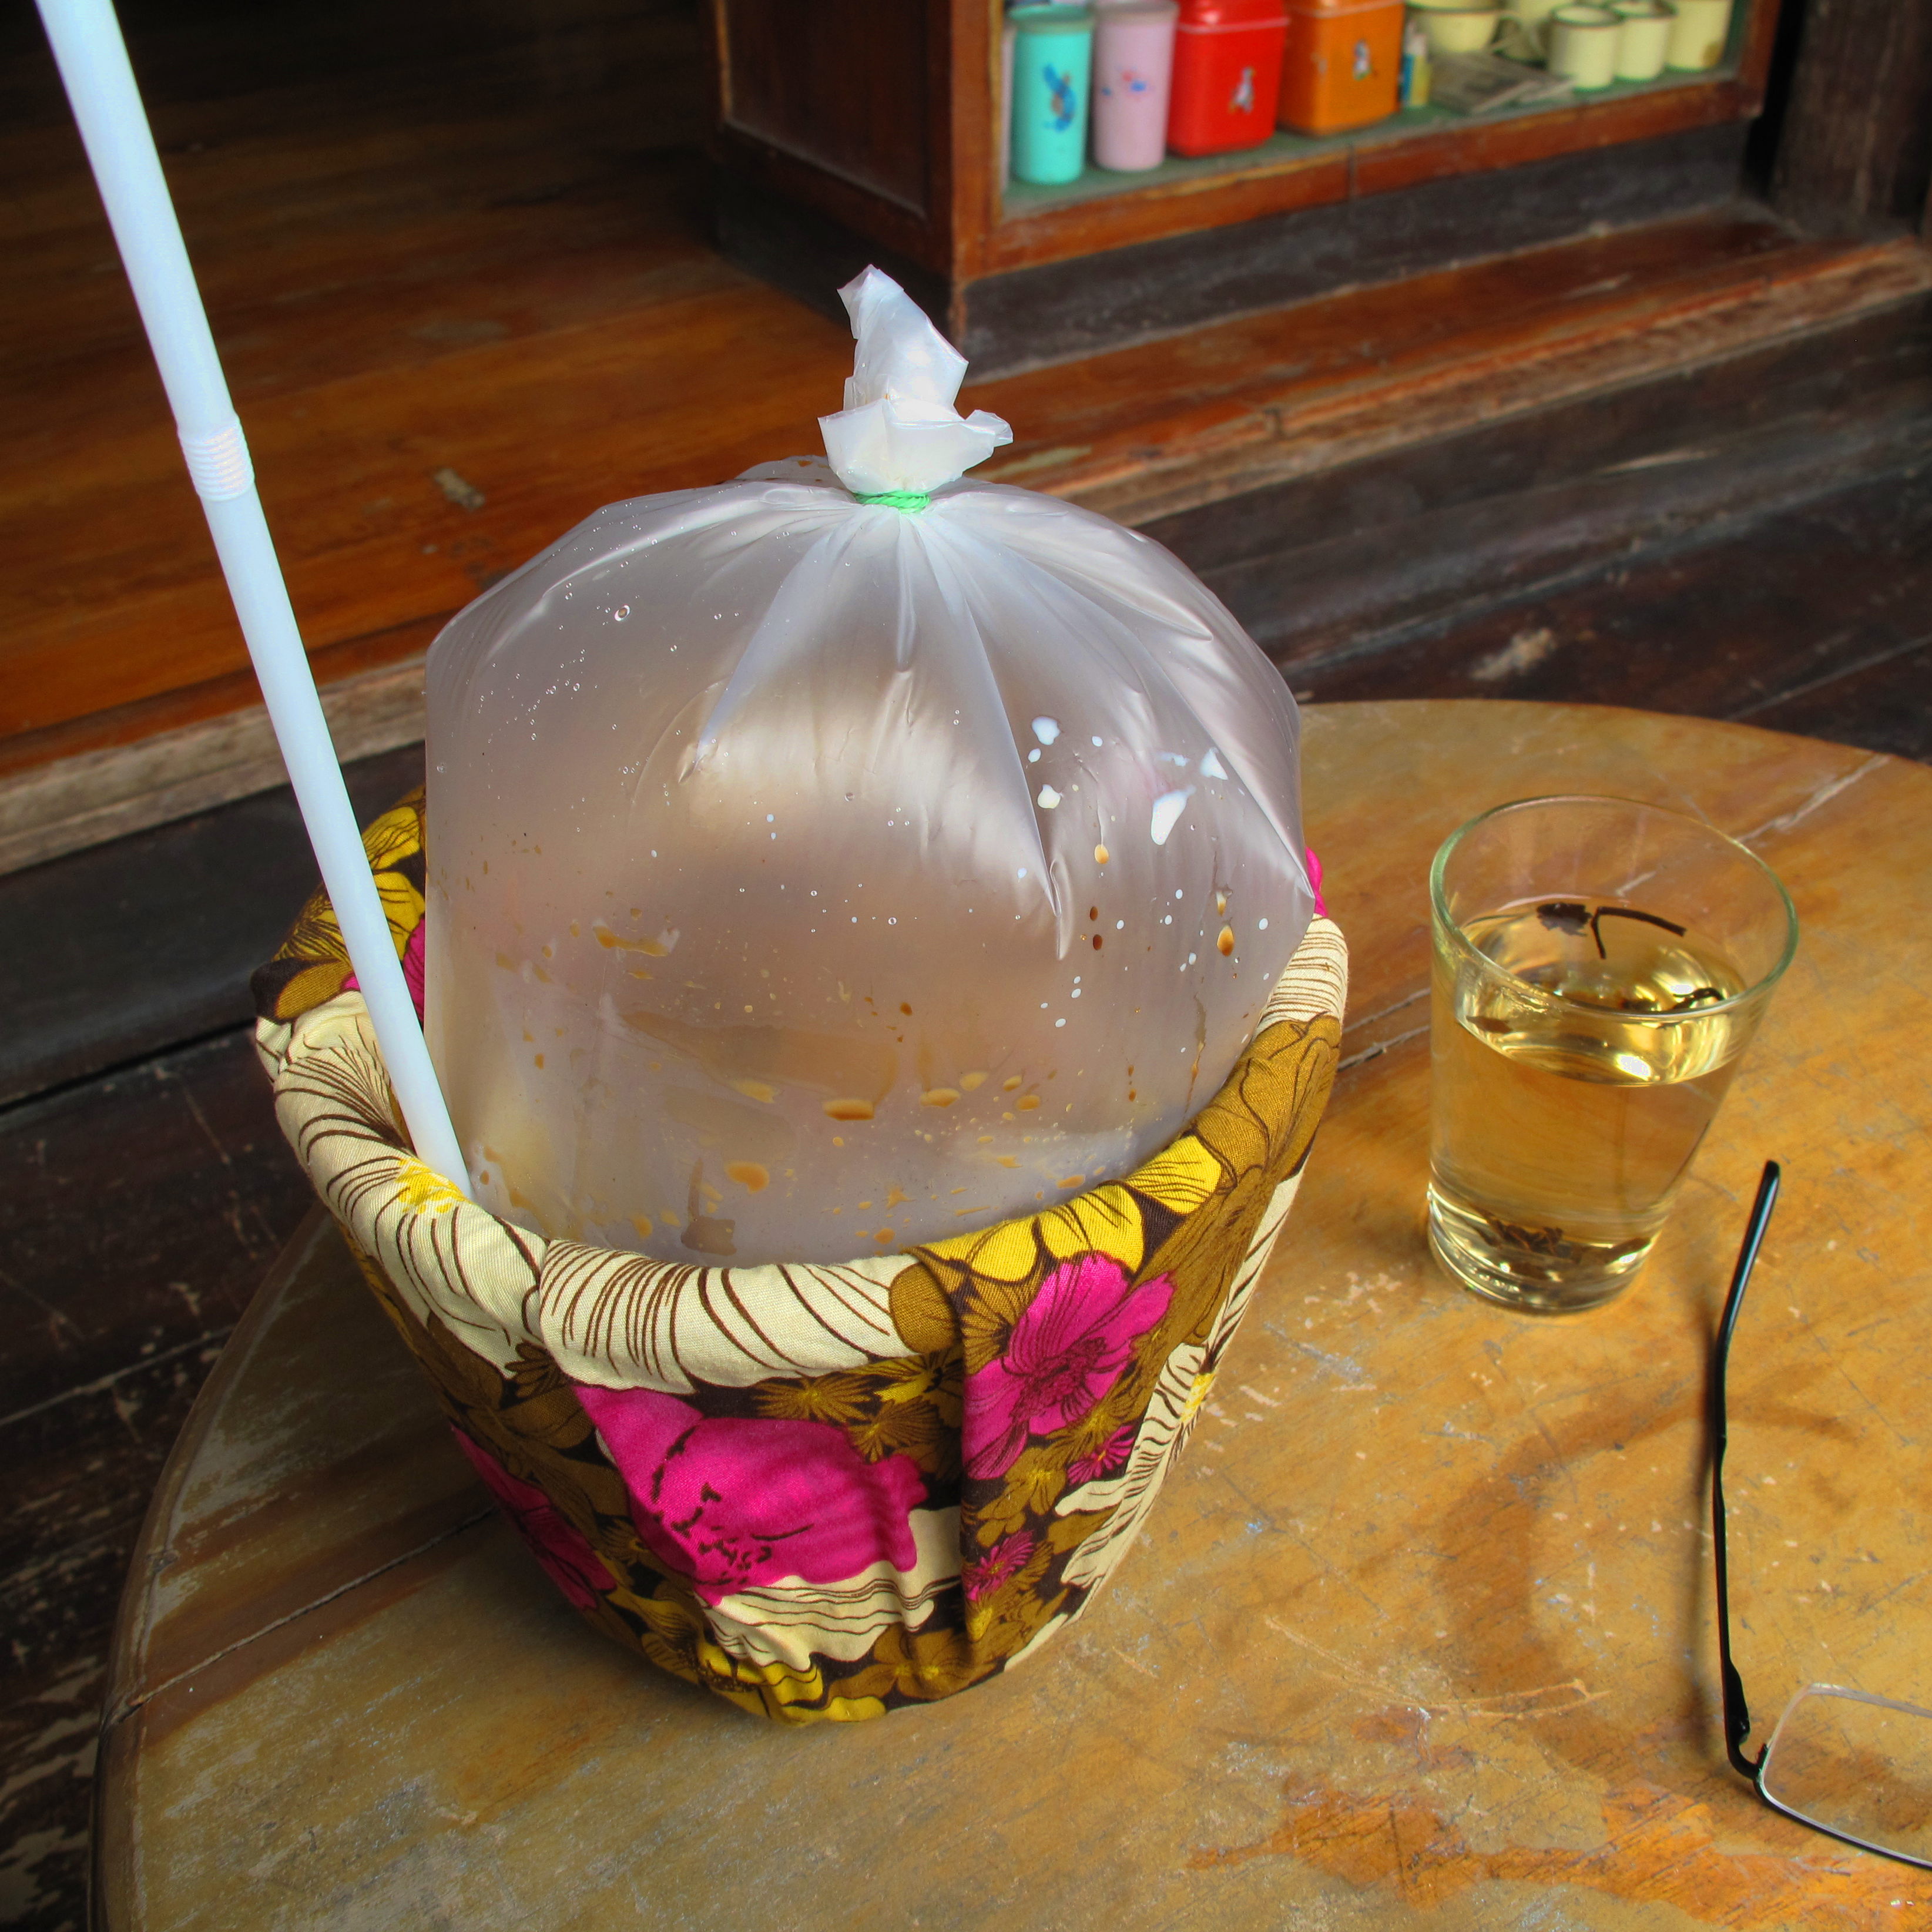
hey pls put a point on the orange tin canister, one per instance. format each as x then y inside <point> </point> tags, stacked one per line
<point>1227,70</point>
<point>1343,67</point>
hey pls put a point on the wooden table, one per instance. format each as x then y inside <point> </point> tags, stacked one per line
<point>1419,1634</point>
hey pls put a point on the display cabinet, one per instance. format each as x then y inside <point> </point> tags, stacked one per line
<point>850,131</point>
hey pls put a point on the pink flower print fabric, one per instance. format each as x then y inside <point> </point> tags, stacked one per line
<point>1063,1356</point>
<point>1001,1564</point>
<point>732,1502</point>
<point>876,1521</point>
<point>1104,1461</point>
<point>570,1562</point>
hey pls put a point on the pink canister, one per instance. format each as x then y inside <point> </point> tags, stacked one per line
<point>1133,65</point>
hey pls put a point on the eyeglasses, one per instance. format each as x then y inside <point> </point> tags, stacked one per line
<point>1844,1762</point>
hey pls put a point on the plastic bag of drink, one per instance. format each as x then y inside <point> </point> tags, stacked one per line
<point>850,855</point>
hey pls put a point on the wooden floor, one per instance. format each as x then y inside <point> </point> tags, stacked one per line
<point>369,194</point>
<point>1492,484</point>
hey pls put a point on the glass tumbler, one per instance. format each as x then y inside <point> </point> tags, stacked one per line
<point>1600,966</point>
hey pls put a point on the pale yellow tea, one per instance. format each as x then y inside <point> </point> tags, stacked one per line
<point>1572,1088</point>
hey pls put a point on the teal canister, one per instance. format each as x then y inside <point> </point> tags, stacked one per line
<point>1053,63</point>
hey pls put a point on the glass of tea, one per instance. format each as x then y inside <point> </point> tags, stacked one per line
<point>1601,966</point>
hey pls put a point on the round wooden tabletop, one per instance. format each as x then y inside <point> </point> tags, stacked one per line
<point>1419,1634</point>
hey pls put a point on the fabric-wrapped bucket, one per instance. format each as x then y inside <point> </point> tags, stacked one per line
<point>819,1491</point>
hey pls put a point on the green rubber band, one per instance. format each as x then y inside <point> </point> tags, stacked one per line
<point>909,501</point>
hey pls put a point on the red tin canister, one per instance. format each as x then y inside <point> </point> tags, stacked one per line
<point>1227,74</point>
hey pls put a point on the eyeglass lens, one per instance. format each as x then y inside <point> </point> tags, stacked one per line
<point>1857,1765</point>
<point>1854,1764</point>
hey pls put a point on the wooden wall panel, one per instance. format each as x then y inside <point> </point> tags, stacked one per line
<point>1855,148</point>
<point>843,85</point>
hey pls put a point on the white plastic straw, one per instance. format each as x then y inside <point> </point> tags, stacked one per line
<point>93,61</point>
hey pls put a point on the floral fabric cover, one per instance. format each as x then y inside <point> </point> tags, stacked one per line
<point>819,1492</point>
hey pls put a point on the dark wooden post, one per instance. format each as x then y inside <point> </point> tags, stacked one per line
<point>1854,150</point>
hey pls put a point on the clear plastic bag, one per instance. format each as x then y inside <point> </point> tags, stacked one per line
<point>810,877</point>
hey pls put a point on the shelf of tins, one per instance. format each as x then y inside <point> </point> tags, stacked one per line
<point>848,131</point>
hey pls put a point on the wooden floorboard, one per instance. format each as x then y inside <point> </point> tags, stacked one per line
<point>373,200</point>
<point>129,948</point>
<point>1339,563</point>
<point>138,1211</point>
<point>1816,620</point>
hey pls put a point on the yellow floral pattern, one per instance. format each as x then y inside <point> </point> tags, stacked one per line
<point>312,964</point>
<point>900,1475</point>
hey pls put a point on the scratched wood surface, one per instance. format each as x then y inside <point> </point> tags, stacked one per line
<point>1418,1635</point>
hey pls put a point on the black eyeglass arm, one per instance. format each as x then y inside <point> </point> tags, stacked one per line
<point>1737,1713</point>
